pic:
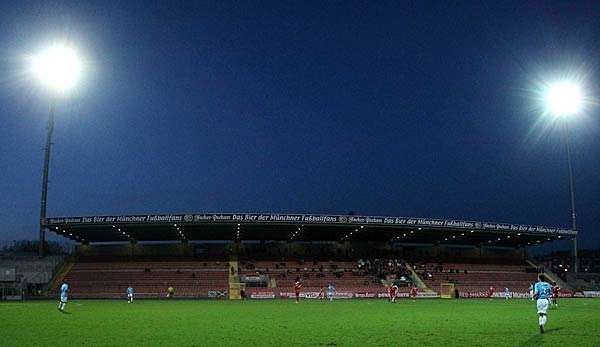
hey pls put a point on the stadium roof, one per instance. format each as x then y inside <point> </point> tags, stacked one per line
<point>299,227</point>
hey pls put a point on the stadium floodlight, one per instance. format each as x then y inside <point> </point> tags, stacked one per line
<point>564,98</point>
<point>58,67</point>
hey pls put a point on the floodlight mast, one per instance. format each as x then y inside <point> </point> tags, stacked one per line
<point>58,69</point>
<point>47,151</point>
<point>572,194</point>
<point>564,99</point>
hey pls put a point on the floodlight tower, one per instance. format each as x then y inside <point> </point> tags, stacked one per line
<point>564,100</point>
<point>58,69</point>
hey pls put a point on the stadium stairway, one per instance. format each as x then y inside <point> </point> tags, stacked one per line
<point>417,280</point>
<point>60,274</point>
<point>551,275</point>
<point>235,286</point>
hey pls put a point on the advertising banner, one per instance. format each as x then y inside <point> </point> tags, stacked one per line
<point>268,218</point>
<point>262,295</point>
<point>591,294</point>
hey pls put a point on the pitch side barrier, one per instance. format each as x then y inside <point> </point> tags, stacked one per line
<point>425,295</point>
<point>263,218</point>
<point>524,295</point>
<point>338,295</point>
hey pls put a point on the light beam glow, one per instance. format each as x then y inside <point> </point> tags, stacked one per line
<point>564,98</point>
<point>58,67</point>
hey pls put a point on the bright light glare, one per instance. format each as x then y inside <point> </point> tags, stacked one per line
<point>564,99</point>
<point>58,67</point>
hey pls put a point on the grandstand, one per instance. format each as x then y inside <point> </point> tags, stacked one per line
<point>204,279</point>
<point>209,255</point>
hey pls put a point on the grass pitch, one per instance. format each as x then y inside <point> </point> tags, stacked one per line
<point>427,322</point>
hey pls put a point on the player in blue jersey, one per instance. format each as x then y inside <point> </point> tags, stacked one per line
<point>330,291</point>
<point>130,294</point>
<point>542,291</point>
<point>506,294</point>
<point>64,290</point>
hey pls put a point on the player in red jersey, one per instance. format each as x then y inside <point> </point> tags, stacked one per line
<point>555,293</point>
<point>490,292</point>
<point>413,292</point>
<point>392,290</point>
<point>297,287</point>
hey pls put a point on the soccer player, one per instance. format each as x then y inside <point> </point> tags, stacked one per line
<point>413,292</point>
<point>392,292</point>
<point>330,291</point>
<point>297,287</point>
<point>170,292</point>
<point>555,293</point>
<point>322,294</point>
<point>64,290</point>
<point>506,294</point>
<point>130,295</point>
<point>490,292</point>
<point>542,291</point>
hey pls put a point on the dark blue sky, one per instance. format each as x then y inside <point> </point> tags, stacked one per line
<point>383,108</point>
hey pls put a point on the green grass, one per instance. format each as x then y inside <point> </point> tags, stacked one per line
<point>576,322</point>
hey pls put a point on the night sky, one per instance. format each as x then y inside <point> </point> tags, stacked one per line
<point>421,109</point>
